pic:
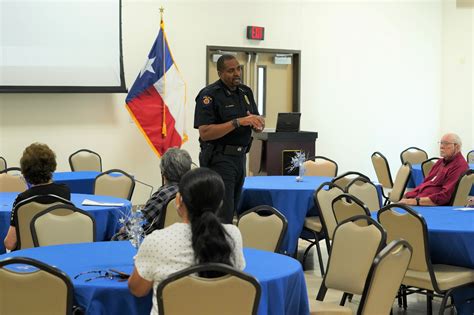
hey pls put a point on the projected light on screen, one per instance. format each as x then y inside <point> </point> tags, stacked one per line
<point>61,46</point>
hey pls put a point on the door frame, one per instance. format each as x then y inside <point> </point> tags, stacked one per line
<point>296,65</point>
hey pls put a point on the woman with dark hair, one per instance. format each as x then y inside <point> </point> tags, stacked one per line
<point>201,238</point>
<point>37,166</point>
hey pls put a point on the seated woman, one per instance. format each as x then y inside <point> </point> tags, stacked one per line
<point>201,238</point>
<point>37,166</point>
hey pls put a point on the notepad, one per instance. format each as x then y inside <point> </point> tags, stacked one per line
<point>88,202</point>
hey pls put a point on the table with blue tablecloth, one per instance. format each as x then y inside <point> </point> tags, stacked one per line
<point>293,199</point>
<point>451,242</point>
<point>81,182</point>
<point>106,218</point>
<point>281,278</point>
<point>417,177</point>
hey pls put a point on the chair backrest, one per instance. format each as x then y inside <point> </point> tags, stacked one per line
<point>470,157</point>
<point>85,160</point>
<point>321,166</point>
<point>62,224</point>
<point>262,227</point>
<point>346,206</point>
<point>26,210</point>
<point>413,155</point>
<point>3,163</point>
<point>355,243</point>
<point>36,288</point>
<point>365,191</point>
<point>12,183</point>
<point>463,188</point>
<point>385,278</point>
<point>344,179</point>
<point>170,215</point>
<point>401,182</point>
<point>323,197</point>
<point>382,169</point>
<point>115,183</point>
<point>402,222</point>
<point>427,165</point>
<point>236,292</point>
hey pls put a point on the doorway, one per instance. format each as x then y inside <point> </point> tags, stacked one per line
<point>272,74</point>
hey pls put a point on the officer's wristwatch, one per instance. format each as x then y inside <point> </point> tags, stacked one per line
<point>235,123</point>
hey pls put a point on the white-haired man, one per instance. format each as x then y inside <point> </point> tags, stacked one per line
<point>438,187</point>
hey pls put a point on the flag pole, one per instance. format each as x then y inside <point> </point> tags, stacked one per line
<point>162,26</point>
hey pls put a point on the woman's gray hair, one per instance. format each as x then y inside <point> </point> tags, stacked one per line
<point>174,164</point>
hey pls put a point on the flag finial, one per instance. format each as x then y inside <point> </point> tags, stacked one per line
<point>161,13</point>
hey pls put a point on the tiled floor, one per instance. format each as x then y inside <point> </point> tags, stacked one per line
<point>416,302</point>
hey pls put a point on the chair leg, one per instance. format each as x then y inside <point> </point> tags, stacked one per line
<point>442,307</point>
<point>344,297</point>
<point>305,255</point>
<point>399,297</point>
<point>320,259</point>
<point>404,298</point>
<point>429,304</point>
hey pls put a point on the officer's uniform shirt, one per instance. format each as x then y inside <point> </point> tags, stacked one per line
<point>216,104</point>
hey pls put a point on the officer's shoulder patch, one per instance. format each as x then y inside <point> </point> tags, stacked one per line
<point>206,100</point>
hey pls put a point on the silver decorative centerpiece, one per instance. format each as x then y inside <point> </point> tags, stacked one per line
<point>298,161</point>
<point>132,225</point>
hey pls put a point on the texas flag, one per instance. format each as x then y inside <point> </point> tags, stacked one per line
<point>157,99</point>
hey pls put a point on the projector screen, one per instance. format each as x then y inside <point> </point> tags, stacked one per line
<point>61,46</point>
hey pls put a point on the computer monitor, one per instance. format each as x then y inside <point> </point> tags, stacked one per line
<point>288,122</point>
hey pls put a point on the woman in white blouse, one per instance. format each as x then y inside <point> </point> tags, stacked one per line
<point>201,238</point>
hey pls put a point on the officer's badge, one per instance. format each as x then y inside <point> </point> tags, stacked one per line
<point>206,100</point>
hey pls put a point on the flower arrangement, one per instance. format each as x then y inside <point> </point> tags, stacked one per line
<point>297,161</point>
<point>132,226</point>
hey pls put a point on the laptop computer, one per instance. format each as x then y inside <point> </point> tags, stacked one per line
<point>288,122</point>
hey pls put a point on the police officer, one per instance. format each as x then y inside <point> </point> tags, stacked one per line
<point>225,115</point>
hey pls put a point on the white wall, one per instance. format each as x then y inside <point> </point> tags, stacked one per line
<point>371,79</point>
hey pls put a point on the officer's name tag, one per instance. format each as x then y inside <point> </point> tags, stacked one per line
<point>230,106</point>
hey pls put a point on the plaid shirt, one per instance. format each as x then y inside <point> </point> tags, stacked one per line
<point>154,206</point>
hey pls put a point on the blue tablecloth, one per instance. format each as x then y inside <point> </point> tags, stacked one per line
<point>451,241</point>
<point>106,218</point>
<point>281,278</point>
<point>78,182</point>
<point>293,199</point>
<point>417,177</point>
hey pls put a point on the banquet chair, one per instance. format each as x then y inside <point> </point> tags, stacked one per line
<point>382,284</point>
<point>400,184</point>
<point>115,183</point>
<point>36,288</point>
<point>470,157</point>
<point>26,210</point>
<point>463,188</point>
<point>322,226</point>
<point>382,170</point>
<point>12,183</point>
<point>413,155</point>
<point>427,165</point>
<point>321,166</point>
<point>263,227</point>
<point>344,179</point>
<point>357,240</point>
<point>365,191</point>
<point>169,215</point>
<point>346,206</point>
<point>85,160</point>
<point>3,163</point>
<point>187,292</point>
<point>401,221</point>
<point>62,224</point>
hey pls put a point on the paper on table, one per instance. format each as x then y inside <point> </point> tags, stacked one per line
<point>464,209</point>
<point>88,202</point>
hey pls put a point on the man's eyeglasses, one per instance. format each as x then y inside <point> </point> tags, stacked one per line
<point>445,142</point>
<point>106,274</point>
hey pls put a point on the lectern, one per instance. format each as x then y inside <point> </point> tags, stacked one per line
<point>271,151</point>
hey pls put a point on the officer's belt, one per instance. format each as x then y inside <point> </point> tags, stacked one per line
<point>231,149</point>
